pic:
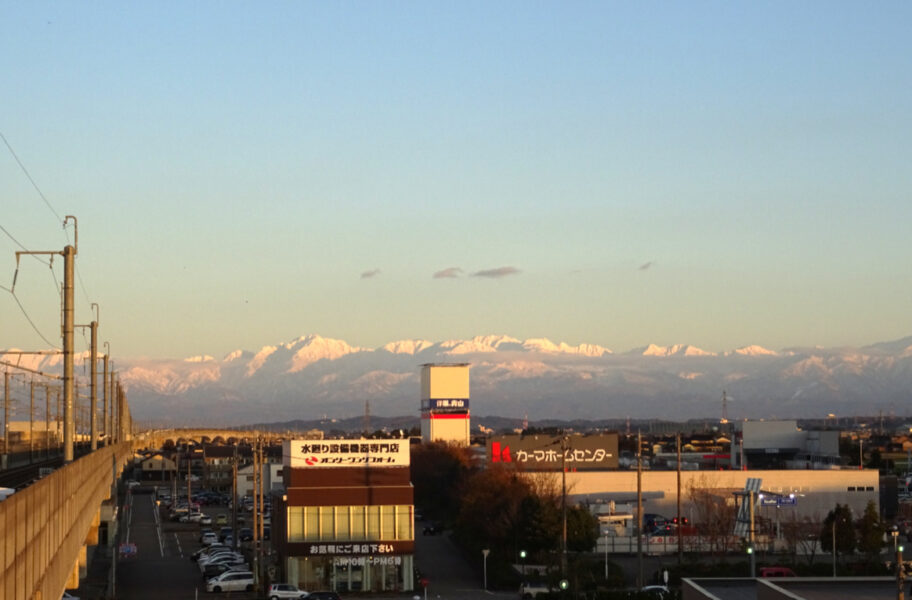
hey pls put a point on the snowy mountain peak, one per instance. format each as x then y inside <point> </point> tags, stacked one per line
<point>233,356</point>
<point>546,345</point>
<point>199,359</point>
<point>675,350</point>
<point>407,346</point>
<point>480,343</point>
<point>754,350</point>
<point>317,348</point>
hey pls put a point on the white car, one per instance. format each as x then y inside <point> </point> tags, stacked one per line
<point>209,538</point>
<point>284,590</point>
<point>231,581</point>
<point>227,559</point>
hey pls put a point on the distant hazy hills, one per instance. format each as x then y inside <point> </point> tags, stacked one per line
<point>313,376</point>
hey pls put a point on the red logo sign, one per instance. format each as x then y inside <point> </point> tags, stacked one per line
<point>499,454</point>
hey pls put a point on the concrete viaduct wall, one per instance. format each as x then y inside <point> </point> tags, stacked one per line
<point>47,526</point>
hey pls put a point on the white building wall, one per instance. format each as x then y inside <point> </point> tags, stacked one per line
<point>817,491</point>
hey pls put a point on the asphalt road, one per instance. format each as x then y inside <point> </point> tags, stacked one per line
<point>162,567</point>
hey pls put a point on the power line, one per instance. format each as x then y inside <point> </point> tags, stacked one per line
<point>15,241</point>
<point>29,319</point>
<point>29,177</point>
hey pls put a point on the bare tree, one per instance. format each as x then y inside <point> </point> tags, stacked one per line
<point>801,536</point>
<point>714,513</point>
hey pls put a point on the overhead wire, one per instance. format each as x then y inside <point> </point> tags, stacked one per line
<point>32,323</point>
<point>29,177</point>
<point>49,263</point>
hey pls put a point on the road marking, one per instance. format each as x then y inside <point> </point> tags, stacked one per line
<point>180,551</point>
<point>158,531</point>
<point>129,508</point>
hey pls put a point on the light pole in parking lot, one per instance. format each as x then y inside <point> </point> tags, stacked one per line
<point>484,553</point>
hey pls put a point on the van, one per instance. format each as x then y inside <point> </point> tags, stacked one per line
<point>776,572</point>
<point>231,581</point>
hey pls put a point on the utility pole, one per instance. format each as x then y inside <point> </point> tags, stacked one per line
<point>564,506</point>
<point>58,423</point>
<point>234,497</point>
<point>6,412</point>
<point>639,527</point>
<point>680,518</point>
<point>47,421</point>
<point>105,426</point>
<point>69,308</point>
<point>93,402</point>
<point>31,420</point>
<point>69,259</point>
<point>256,554</point>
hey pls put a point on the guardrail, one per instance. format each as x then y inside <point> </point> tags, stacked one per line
<point>46,525</point>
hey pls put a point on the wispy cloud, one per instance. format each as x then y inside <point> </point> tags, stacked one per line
<point>647,265</point>
<point>448,273</point>
<point>497,273</point>
<point>370,274</point>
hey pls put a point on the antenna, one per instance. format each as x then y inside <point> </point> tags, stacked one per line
<point>724,408</point>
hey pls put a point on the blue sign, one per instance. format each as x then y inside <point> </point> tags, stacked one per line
<point>447,403</point>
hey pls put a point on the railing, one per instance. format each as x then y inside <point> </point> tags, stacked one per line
<point>46,525</point>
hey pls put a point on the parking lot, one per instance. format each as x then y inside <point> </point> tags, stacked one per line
<point>162,566</point>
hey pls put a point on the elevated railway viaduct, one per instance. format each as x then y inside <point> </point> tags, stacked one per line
<point>48,526</point>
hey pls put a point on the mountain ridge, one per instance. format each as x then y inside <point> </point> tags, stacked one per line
<point>316,375</point>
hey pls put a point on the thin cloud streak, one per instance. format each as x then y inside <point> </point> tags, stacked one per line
<point>370,274</point>
<point>497,273</point>
<point>448,273</point>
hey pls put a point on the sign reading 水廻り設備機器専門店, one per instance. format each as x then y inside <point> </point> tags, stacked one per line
<point>554,452</point>
<point>309,454</point>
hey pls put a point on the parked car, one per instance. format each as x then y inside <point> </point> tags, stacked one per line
<point>209,538</point>
<point>246,534</point>
<point>230,581</point>
<point>776,572</point>
<point>527,591</point>
<point>323,596</point>
<point>659,592</point>
<point>205,520</point>
<point>216,569</point>
<point>207,550</point>
<point>221,520</point>
<point>285,590</point>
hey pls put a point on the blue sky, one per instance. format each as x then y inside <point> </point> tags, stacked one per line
<point>712,173</point>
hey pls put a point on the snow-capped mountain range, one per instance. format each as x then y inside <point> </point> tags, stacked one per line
<point>314,376</point>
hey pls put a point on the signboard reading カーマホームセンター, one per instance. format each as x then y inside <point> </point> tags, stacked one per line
<point>315,454</point>
<point>554,452</point>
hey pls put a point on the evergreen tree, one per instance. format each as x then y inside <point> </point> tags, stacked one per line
<point>870,531</point>
<point>838,523</point>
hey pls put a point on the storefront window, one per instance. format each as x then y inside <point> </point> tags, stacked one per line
<point>343,518</point>
<point>373,523</point>
<point>295,524</point>
<point>404,523</point>
<point>312,523</point>
<point>357,523</point>
<point>387,522</point>
<point>327,525</point>
<point>350,523</point>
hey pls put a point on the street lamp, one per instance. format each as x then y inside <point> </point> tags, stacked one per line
<point>522,555</point>
<point>485,552</point>
<point>900,579</point>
